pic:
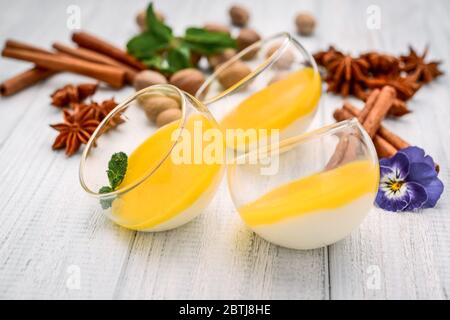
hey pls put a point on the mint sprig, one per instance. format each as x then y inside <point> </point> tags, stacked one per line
<point>159,49</point>
<point>117,168</point>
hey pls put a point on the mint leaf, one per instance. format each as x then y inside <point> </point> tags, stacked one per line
<point>117,167</point>
<point>179,58</point>
<point>106,203</point>
<point>208,42</point>
<point>157,27</point>
<point>146,45</point>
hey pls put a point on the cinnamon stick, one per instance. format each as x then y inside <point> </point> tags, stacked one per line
<point>384,148</point>
<point>384,133</point>
<point>109,74</point>
<point>379,110</point>
<point>370,102</point>
<point>88,41</point>
<point>93,56</point>
<point>27,78</point>
<point>338,154</point>
<point>24,80</point>
<point>11,43</point>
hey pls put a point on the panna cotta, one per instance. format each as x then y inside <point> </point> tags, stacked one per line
<point>171,193</point>
<point>316,210</point>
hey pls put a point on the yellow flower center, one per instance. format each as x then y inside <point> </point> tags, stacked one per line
<point>396,186</point>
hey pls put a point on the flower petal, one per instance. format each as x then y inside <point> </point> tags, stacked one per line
<point>434,191</point>
<point>399,163</point>
<point>393,205</point>
<point>421,173</point>
<point>416,154</point>
<point>417,194</point>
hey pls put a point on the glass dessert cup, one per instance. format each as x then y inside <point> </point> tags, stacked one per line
<point>163,187</point>
<point>310,190</point>
<point>281,88</point>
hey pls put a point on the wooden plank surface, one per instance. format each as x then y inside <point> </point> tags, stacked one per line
<point>50,231</point>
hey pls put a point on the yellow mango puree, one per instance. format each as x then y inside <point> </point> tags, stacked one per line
<point>326,190</point>
<point>172,187</point>
<point>279,104</point>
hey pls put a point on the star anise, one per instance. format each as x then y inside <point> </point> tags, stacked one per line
<point>405,86</point>
<point>382,64</point>
<point>73,132</point>
<point>346,75</point>
<point>68,94</point>
<point>415,64</point>
<point>324,58</point>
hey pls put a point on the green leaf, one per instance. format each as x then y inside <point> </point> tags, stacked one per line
<point>106,203</point>
<point>156,26</point>
<point>179,58</point>
<point>208,42</point>
<point>146,45</point>
<point>117,167</point>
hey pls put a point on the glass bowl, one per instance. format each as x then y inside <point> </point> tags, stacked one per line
<point>310,190</point>
<point>165,186</point>
<point>273,84</point>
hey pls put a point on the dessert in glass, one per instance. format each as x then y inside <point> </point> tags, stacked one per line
<point>160,190</point>
<point>272,84</point>
<point>319,188</point>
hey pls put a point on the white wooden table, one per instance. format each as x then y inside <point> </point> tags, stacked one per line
<point>51,233</point>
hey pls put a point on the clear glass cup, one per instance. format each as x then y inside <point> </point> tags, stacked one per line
<point>310,190</point>
<point>272,84</point>
<point>161,190</point>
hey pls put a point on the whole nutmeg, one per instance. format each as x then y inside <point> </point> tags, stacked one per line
<point>141,19</point>
<point>148,78</point>
<point>188,80</point>
<point>216,27</point>
<point>155,104</point>
<point>239,16</point>
<point>217,59</point>
<point>168,116</point>
<point>246,38</point>
<point>233,74</point>
<point>305,23</point>
<point>285,60</point>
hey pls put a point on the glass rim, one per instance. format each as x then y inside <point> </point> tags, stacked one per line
<point>120,107</point>
<point>286,37</point>
<point>289,143</point>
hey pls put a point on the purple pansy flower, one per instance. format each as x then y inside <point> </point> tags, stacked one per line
<point>408,181</point>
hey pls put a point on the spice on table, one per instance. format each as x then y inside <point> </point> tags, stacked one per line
<point>285,60</point>
<point>346,75</point>
<point>415,64</point>
<point>24,80</point>
<point>153,105</point>
<point>188,80</point>
<point>239,15</point>
<point>216,27</point>
<point>72,94</point>
<point>305,23</point>
<point>73,132</point>
<point>246,38</point>
<point>233,73</point>
<point>148,78</point>
<point>217,59</point>
<point>405,74</point>
<point>109,74</point>
<point>90,55</point>
<point>89,41</point>
<point>167,116</point>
